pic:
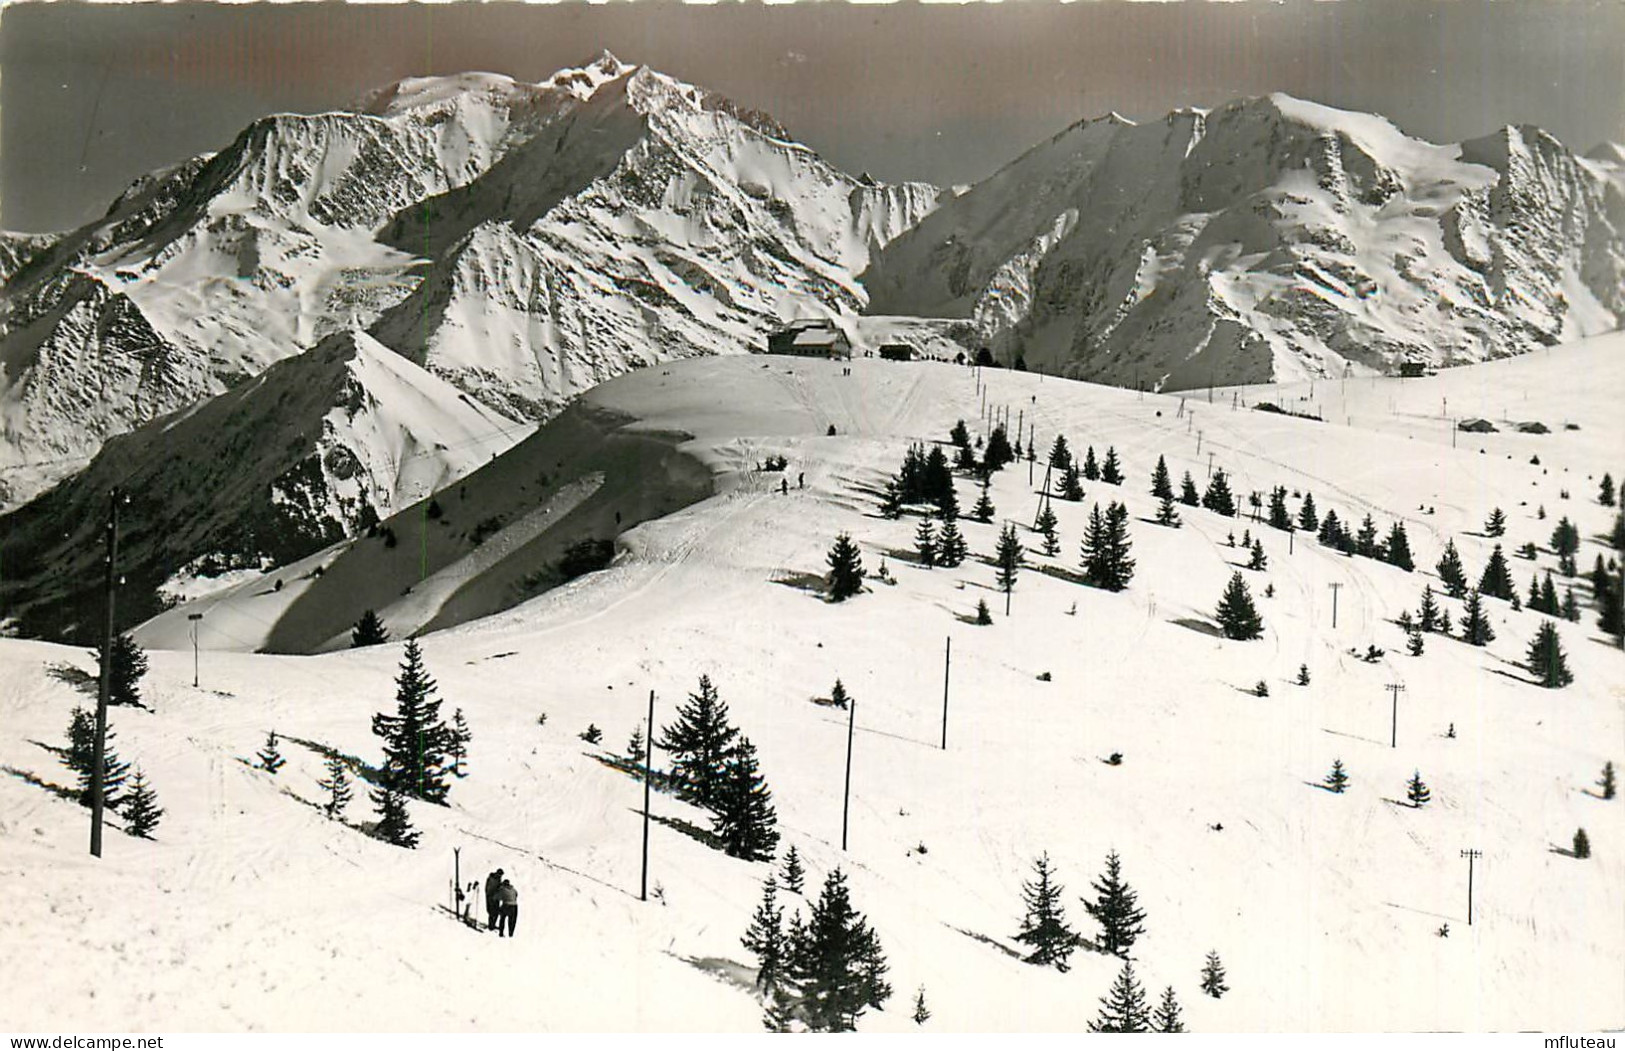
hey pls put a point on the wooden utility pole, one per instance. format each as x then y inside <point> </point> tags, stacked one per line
<point>457,882</point>
<point>1043,497</point>
<point>194,618</point>
<point>846,800</point>
<point>1470,855</point>
<point>1393,732</point>
<point>98,758</point>
<point>1334,586</point>
<point>648,777</point>
<point>947,666</point>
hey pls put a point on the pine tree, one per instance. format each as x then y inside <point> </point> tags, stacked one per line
<point>415,738</point>
<point>839,697</point>
<point>368,631</point>
<point>1258,560</point>
<point>925,543</point>
<point>1496,524</point>
<point>1060,456</point>
<point>837,969</point>
<point>1166,1018</point>
<point>794,875</point>
<point>998,451</point>
<point>1605,493</point>
<point>1607,782</point>
<point>745,822</point>
<point>950,545</point>
<point>936,478</point>
<point>1009,559</point>
<point>1111,472</point>
<point>1428,616</point>
<point>922,1013</point>
<point>780,1014</point>
<point>1475,624</point>
<point>984,616</point>
<point>394,826</point>
<point>1308,519</point>
<point>270,756</point>
<point>1218,497</point>
<point>1166,515</point>
<point>636,748</point>
<point>1280,518</point>
<point>1414,644</point>
<point>1071,483</point>
<point>765,938</point>
<point>1582,844</point>
<point>1303,675</point>
<point>1187,492</point>
<point>1162,487</point>
<point>81,759</point>
<point>983,509</point>
<point>1398,548</point>
<point>1047,523</point>
<point>336,786</point>
<point>1546,659</point>
<point>1105,548</point>
<point>1565,537</point>
<point>1337,780</point>
<point>1331,530</point>
<point>701,742</point>
<point>1123,1008</point>
<point>1571,608</point>
<point>1365,541</point>
<point>1497,578</point>
<point>1416,791</point>
<point>458,745</point>
<point>141,810</point>
<point>1213,976</point>
<point>845,569</point>
<point>1237,617</point>
<point>1451,571</point>
<point>1116,910</point>
<point>129,664</point>
<point>1044,927</point>
<point>960,435</point>
<point>891,503</point>
<point>1091,469</point>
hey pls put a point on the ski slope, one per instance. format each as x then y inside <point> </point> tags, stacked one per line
<point>250,911</point>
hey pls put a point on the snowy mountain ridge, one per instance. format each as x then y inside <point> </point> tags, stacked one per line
<point>1268,239</point>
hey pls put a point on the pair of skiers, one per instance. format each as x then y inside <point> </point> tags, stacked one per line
<point>501,904</point>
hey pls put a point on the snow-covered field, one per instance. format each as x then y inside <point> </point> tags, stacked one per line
<point>252,911</point>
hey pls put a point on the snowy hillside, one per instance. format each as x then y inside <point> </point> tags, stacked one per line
<point>1269,239</point>
<point>1324,907</point>
<point>521,241</point>
<point>314,449</point>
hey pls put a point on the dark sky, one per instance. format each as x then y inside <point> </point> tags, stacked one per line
<point>93,95</point>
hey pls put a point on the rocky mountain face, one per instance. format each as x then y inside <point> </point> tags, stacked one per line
<point>1270,239</point>
<point>316,448</point>
<point>521,241</point>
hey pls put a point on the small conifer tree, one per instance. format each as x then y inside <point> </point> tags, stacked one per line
<point>1009,560</point>
<point>1162,487</point>
<point>838,695</point>
<point>1116,909</point>
<point>925,543</point>
<point>1237,616</point>
<point>1071,483</point>
<point>1582,844</point>
<point>394,826</point>
<point>1213,976</point>
<point>1044,927</point>
<point>765,937</point>
<point>1308,519</point>
<point>983,508</point>
<point>922,1013</point>
<point>1166,1018</point>
<point>636,747</point>
<point>368,631</point>
<point>951,547</point>
<point>1427,617</point>
<point>1475,623</point>
<point>984,616</point>
<point>700,742</point>
<point>1496,524</point>
<point>457,747</point>
<point>1605,492</point>
<point>745,822</point>
<point>1187,492</point>
<point>1303,675</point>
<point>1123,1008</point>
<point>1414,644</point>
<point>794,875</point>
<point>1166,515</point>
<point>336,786</point>
<point>1398,548</point>
<point>1091,469</point>
<point>1111,472</point>
<point>415,738</point>
<point>1607,782</point>
<point>1046,524</point>
<point>141,810</point>
<point>1417,791</point>
<point>270,756</point>
<point>845,568</point>
<point>1338,779</point>
<point>1060,456</point>
<point>1451,571</point>
<point>837,969</point>
<point>1218,497</point>
<point>1546,658</point>
<point>1258,560</point>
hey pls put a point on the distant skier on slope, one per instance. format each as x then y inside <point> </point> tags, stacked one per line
<point>507,909</point>
<point>493,884</point>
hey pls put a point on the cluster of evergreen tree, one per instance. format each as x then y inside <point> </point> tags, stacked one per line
<point>1395,549</point>
<point>715,767</point>
<point>925,478</point>
<point>1106,561</point>
<point>1046,525</point>
<point>821,974</point>
<point>1218,497</point>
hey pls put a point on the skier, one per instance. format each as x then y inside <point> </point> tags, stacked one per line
<point>801,480</point>
<point>508,909</point>
<point>493,883</point>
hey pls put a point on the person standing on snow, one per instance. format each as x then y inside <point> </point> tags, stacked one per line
<point>507,909</point>
<point>493,883</point>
